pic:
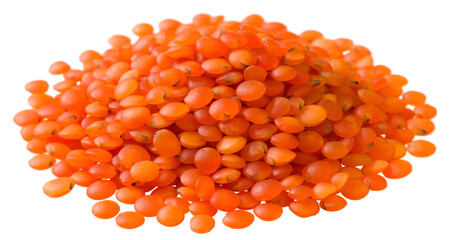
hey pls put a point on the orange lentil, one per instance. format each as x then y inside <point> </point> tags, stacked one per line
<point>229,78</point>
<point>425,111</point>
<point>148,205</point>
<point>59,67</point>
<point>238,219</point>
<point>42,162</point>
<point>62,169</point>
<point>102,170</point>
<point>334,150</point>
<point>37,86</point>
<point>233,161</point>
<point>224,200</point>
<point>257,170</point>
<point>166,143</point>
<point>242,58</point>
<point>355,189</point>
<point>255,72</point>
<point>202,223</point>
<point>58,187</point>
<point>223,92</point>
<point>266,190</point>
<point>132,153</point>
<point>310,141</point>
<point>397,168</point>
<point>144,171</point>
<point>170,216</point>
<point>210,47</point>
<point>256,115</point>
<point>333,203</point>
<point>231,144</point>
<point>129,220</point>
<point>289,124</point>
<point>317,171</point>
<point>375,182</point>
<point>199,97</point>
<point>207,160</point>
<point>304,208</point>
<point>291,181</point>
<point>268,211</point>
<point>283,73</point>
<point>233,40</point>
<point>323,190</point>
<point>105,209</point>
<point>278,107</point>
<point>226,175</point>
<point>300,192</point>
<point>216,66</point>
<point>250,90</point>
<point>274,87</point>
<point>284,140</point>
<point>281,171</point>
<point>142,29</point>
<point>174,110</point>
<point>278,156</point>
<point>83,178</point>
<point>247,201</point>
<point>312,115</point>
<point>177,202</point>
<point>199,208</point>
<point>26,117</point>
<point>205,187</point>
<point>222,115</point>
<point>234,127</point>
<point>375,166</point>
<point>133,118</point>
<point>224,109</point>
<point>101,189</point>
<point>421,148</point>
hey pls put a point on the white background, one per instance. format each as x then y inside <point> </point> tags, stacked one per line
<point>410,37</point>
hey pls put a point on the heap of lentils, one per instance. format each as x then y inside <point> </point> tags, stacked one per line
<point>244,117</point>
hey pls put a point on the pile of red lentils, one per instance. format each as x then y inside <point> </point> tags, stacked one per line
<point>237,116</point>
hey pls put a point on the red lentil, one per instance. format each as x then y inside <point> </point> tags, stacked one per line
<point>230,116</point>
